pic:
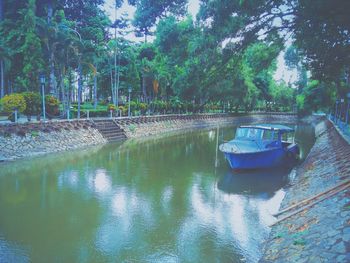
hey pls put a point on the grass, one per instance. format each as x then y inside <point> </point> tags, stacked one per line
<point>90,106</point>
<point>132,127</point>
<point>34,133</point>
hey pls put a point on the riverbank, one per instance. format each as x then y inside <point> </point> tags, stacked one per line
<point>33,139</point>
<point>320,233</point>
<point>141,127</point>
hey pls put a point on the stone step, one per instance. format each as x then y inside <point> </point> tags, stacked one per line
<point>113,134</point>
<point>116,138</point>
<point>104,121</point>
<point>108,124</point>
<point>110,130</point>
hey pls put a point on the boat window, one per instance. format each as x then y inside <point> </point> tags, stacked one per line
<point>249,133</point>
<point>255,134</point>
<point>241,133</point>
<point>287,137</point>
<point>284,137</point>
<point>267,135</point>
<point>252,133</point>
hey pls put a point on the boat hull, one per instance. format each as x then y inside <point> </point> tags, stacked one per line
<point>263,159</point>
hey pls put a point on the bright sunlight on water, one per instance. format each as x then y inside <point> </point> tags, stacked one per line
<point>157,200</point>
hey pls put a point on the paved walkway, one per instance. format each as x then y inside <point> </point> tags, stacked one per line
<point>322,232</point>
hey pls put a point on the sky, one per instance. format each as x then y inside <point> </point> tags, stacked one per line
<point>193,8</point>
<point>282,73</point>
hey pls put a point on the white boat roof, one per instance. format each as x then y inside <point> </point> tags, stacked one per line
<point>273,127</point>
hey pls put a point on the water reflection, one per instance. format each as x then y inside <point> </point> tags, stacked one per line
<point>159,200</point>
<point>101,182</point>
<point>263,183</point>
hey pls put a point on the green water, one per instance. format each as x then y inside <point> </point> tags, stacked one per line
<point>159,200</point>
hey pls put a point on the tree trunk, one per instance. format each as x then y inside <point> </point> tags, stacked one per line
<point>62,91</point>
<point>69,92</point>
<point>1,10</point>
<point>112,87</point>
<point>2,64</point>
<point>2,78</point>
<point>80,87</point>
<point>146,33</point>
<point>118,81</point>
<point>49,11</point>
<point>116,71</point>
<point>52,83</point>
<point>9,84</point>
<point>115,101</point>
<point>144,91</point>
<point>95,89</point>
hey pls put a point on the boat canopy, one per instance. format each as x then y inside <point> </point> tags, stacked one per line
<point>270,127</point>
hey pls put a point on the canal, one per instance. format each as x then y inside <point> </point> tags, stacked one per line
<point>155,200</point>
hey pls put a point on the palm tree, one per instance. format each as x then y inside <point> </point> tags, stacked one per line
<point>2,64</point>
<point>4,54</point>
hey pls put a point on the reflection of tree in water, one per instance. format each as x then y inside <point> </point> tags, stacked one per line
<point>66,196</point>
<point>46,218</point>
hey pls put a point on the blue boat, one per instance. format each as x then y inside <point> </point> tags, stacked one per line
<point>261,146</point>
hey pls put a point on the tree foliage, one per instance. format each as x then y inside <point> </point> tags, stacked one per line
<point>226,57</point>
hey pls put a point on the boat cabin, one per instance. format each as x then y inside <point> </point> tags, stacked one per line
<point>262,137</point>
<point>266,133</point>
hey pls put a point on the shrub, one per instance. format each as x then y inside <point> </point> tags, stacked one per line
<point>103,103</point>
<point>111,107</point>
<point>33,102</point>
<point>175,104</point>
<point>14,101</point>
<point>133,106</point>
<point>124,109</point>
<point>92,113</point>
<point>52,105</point>
<point>159,106</point>
<point>143,107</point>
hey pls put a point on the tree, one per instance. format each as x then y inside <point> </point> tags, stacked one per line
<point>324,39</point>
<point>147,13</point>
<point>294,60</point>
<point>2,64</point>
<point>31,49</point>
<point>320,29</point>
<point>315,96</point>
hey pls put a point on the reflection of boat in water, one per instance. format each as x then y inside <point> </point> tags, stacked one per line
<point>266,181</point>
<point>260,146</point>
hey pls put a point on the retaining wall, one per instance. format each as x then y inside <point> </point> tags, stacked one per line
<point>25,140</point>
<point>30,139</point>
<point>320,233</point>
<point>147,126</point>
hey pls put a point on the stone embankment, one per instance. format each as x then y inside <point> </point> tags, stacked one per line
<point>25,140</point>
<point>321,231</point>
<point>139,127</point>
<point>30,139</point>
